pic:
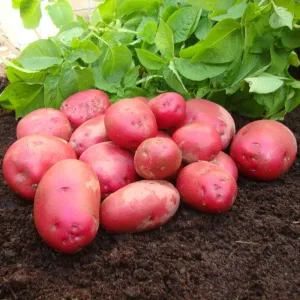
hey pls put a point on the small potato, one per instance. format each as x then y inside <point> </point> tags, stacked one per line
<point>207,187</point>
<point>114,166</point>
<point>48,121</point>
<point>169,109</point>
<point>264,149</point>
<point>197,141</point>
<point>85,105</point>
<point>128,123</point>
<point>88,134</point>
<point>212,114</point>
<point>139,206</point>
<point>223,160</point>
<point>157,158</point>
<point>66,206</point>
<point>27,160</point>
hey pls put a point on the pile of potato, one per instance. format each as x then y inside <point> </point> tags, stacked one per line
<point>125,166</point>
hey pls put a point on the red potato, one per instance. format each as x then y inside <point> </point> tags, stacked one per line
<point>223,160</point>
<point>88,134</point>
<point>264,149</point>
<point>157,158</point>
<point>163,134</point>
<point>27,160</point>
<point>212,114</point>
<point>48,121</point>
<point>66,206</point>
<point>85,105</point>
<point>128,123</point>
<point>139,206</point>
<point>207,187</point>
<point>114,166</point>
<point>197,141</point>
<point>169,109</point>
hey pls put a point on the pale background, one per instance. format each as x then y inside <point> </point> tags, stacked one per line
<point>11,28</point>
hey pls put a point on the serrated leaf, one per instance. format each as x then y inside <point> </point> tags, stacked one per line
<point>116,63</point>
<point>61,13</point>
<point>30,12</point>
<point>164,40</point>
<point>52,95</point>
<point>198,71</point>
<point>74,79</point>
<point>182,23</point>
<point>264,83</point>
<point>85,50</point>
<point>174,80</point>
<point>150,60</point>
<point>40,55</point>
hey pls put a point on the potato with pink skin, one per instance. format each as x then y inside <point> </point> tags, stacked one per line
<point>142,99</point>
<point>224,161</point>
<point>207,187</point>
<point>48,121</point>
<point>85,105</point>
<point>169,109</point>
<point>66,206</point>
<point>197,141</point>
<point>212,114</point>
<point>114,166</point>
<point>157,158</point>
<point>264,149</point>
<point>129,122</point>
<point>88,134</point>
<point>27,160</point>
<point>163,134</point>
<point>139,206</point>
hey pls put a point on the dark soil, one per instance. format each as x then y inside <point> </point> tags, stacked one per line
<point>251,252</point>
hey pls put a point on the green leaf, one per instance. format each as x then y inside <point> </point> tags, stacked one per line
<point>292,102</point>
<point>281,17</point>
<point>198,71</point>
<point>234,12</point>
<point>60,12</point>
<point>15,75</point>
<point>23,97</point>
<point>294,59</point>
<point>264,83</point>
<point>16,4</point>
<point>291,39</point>
<point>147,30</point>
<point>107,10</point>
<point>128,7</point>
<point>74,79</point>
<point>135,92</point>
<point>168,12</point>
<point>116,63</point>
<point>280,59</point>
<point>203,88</point>
<point>164,40</point>
<point>221,43</point>
<point>70,31</point>
<point>40,55</point>
<point>211,5</point>
<point>52,95</point>
<point>174,80</point>
<point>150,60</point>
<point>30,12</point>
<point>101,83</point>
<point>131,77</point>
<point>203,28</point>
<point>85,49</point>
<point>182,23</point>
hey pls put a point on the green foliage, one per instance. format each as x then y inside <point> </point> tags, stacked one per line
<point>236,53</point>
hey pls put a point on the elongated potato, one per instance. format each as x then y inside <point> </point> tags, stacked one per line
<point>85,105</point>
<point>66,206</point>
<point>139,206</point>
<point>88,134</point>
<point>27,160</point>
<point>48,121</point>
